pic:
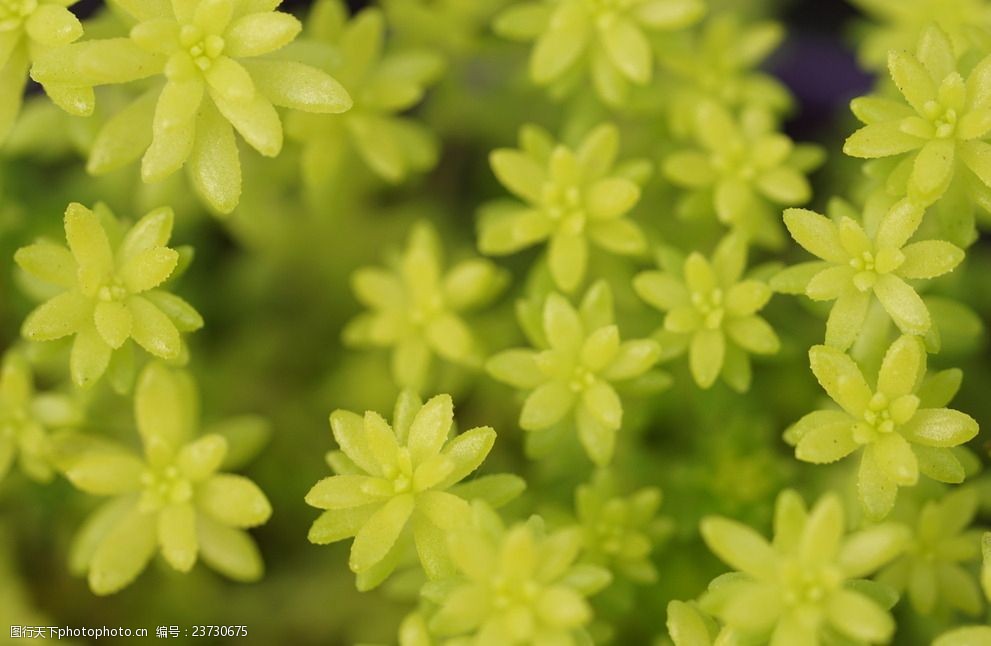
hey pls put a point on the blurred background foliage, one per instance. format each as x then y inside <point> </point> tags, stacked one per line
<point>272,283</point>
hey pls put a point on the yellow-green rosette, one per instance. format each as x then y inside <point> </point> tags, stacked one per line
<point>721,62</point>
<point>173,498</point>
<point>27,29</point>
<point>27,418</point>
<point>859,264</point>
<point>896,26</point>
<point>109,292</point>
<point>221,70</point>
<point>607,41</point>
<point>416,308</point>
<point>938,128</point>
<point>515,586</point>
<point>401,481</point>
<point>807,583</point>
<point>570,376</point>
<point>712,311</point>
<point>385,83</point>
<point>904,430</point>
<point>742,171</point>
<point>572,199</point>
<point>935,573</point>
<point>620,532</point>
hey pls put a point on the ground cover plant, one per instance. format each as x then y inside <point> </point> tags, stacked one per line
<point>495,322</point>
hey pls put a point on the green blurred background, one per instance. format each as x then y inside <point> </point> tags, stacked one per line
<point>272,284</point>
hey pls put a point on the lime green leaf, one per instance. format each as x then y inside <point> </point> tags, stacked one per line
<point>903,365</point>
<point>89,357</point>
<point>829,442</point>
<point>152,329</point>
<point>299,87</point>
<point>867,550</point>
<point>59,317</point>
<point>859,617</point>
<point>229,551</point>
<point>739,546</point>
<point>912,79</point>
<point>233,500</point>
<point>830,284</point>
<point>519,173</point>
<point>877,491</point>
<point>339,524</point>
<point>380,532</point>
<point>546,406</point>
<point>932,170</point>
<point>214,165</point>
<point>164,407</point>
<point>894,456</point>
<point>568,256</point>
<point>816,233</point>
<point>929,258</point>
<point>880,140</point>
<point>177,536</point>
<point>706,354</point>
<point>846,318</point>
<point>123,553</point>
<point>106,473</point>
<point>430,427</point>
<point>840,378</point>
<point>940,427</point>
<point>686,626</point>
<point>51,263</point>
<point>940,464</point>
<point>202,457</point>
<point>260,33</point>
<point>632,359</point>
<point>754,334</point>
<point>517,368</point>
<point>903,304</point>
<point>612,197</point>
<point>558,48</point>
<point>660,289</point>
